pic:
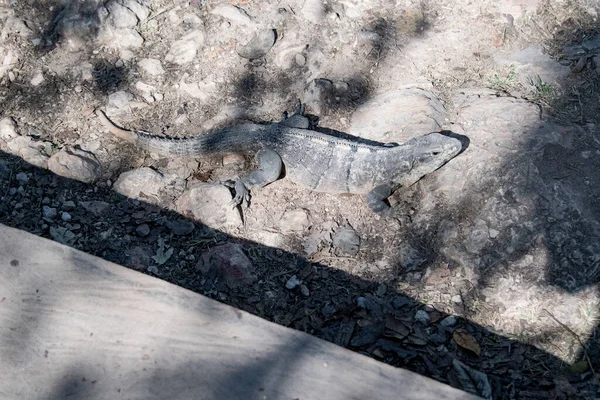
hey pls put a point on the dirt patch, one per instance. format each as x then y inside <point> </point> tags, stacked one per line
<point>504,237</point>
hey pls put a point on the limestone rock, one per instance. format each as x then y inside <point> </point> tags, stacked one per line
<point>347,241</point>
<point>233,13</point>
<point>259,45</point>
<point>184,50</point>
<point>8,129</point>
<point>531,63</point>
<point>151,66</point>
<point>142,183</point>
<point>75,164</point>
<point>398,115</point>
<point>294,221</point>
<point>209,204</point>
<point>121,16</point>
<point>29,150</point>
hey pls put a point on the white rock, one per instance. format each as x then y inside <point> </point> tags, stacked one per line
<point>141,183</point>
<point>398,115</point>
<point>121,16</point>
<point>233,13</point>
<point>37,79</point>
<point>128,38</point>
<point>8,129</point>
<point>119,38</point>
<point>119,99</point>
<point>9,61</point>
<point>75,164</point>
<point>198,90</point>
<point>140,10</point>
<point>193,20</point>
<point>151,66</point>
<point>209,204</point>
<point>531,62</point>
<point>146,90</point>
<point>347,241</point>
<point>294,221</point>
<point>14,25</point>
<point>28,150</point>
<point>313,11</point>
<point>258,45</point>
<point>184,50</point>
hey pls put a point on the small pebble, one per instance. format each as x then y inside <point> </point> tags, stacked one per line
<point>304,290</point>
<point>422,316</point>
<point>448,321</point>
<point>65,216</point>
<point>328,310</point>
<point>361,302</point>
<point>68,205</point>
<point>22,177</point>
<point>300,60</point>
<point>400,301</point>
<point>293,282</point>
<point>142,230</point>
<point>49,212</point>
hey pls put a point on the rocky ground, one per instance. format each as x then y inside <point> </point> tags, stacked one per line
<point>488,280</point>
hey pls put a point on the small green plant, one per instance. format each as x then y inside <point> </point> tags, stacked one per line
<point>503,80</point>
<point>50,149</point>
<point>543,89</point>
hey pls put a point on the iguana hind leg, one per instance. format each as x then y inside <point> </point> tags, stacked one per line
<point>296,120</point>
<point>377,198</point>
<point>269,170</point>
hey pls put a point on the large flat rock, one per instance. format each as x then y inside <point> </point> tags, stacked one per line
<point>75,326</point>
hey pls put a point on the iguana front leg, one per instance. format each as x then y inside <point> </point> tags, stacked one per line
<point>269,170</point>
<point>376,198</point>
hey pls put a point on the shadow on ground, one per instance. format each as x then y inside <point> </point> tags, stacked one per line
<point>383,327</point>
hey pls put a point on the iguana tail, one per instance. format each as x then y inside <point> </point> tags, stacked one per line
<point>115,130</point>
<point>232,139</point>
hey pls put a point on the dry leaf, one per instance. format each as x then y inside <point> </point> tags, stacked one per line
<point>395,328</point>
<point>465,340</point>
<point>580,367</point>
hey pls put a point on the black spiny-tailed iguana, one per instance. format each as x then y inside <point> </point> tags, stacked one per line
<point>321,162</point>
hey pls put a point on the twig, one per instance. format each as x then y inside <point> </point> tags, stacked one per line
<point>576,336</point>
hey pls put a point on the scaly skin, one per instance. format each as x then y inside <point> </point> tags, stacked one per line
<point>321,162</point>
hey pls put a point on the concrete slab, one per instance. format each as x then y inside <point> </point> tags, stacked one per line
<point>73,326</point>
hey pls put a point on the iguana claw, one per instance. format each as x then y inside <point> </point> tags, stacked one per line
<point>242,194</point>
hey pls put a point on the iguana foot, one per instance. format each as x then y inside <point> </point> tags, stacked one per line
<point>376,198</point>
<point>296,120</point>
<point>242,194</point>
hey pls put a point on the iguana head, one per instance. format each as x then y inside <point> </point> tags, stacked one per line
<point>424,154</point>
